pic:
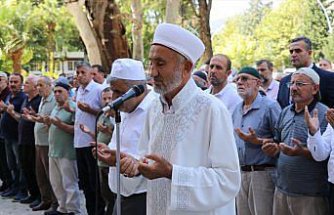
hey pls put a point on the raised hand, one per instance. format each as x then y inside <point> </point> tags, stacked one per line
<point>105,154</point>
<point>10,109</point>
<point>83,106</point>
<point>330,116</point>
<point>158,168</point>
<point>104,129</point>
<point>297,150</point>
<point>250,137</point>
<point>66,107</point>
<point>55,120</point>
<point>270,148</point>
<point>312,122</point>
<point>129,166</point>
<point>84,128</point>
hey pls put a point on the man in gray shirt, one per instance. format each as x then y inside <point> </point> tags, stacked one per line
<point>301,187</point>
<point>254,119</point>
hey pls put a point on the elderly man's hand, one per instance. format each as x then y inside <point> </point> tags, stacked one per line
<point>129,166</point>
<point>250,137</point>
<point>83,106</point>
<point>105,154</point>
<point>330,116</point>
<point>296,150</point>
<point>158,168</point>
<point>270,148</point>
<point>312,122</point>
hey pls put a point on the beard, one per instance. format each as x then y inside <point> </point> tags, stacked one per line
<point>171,84</point>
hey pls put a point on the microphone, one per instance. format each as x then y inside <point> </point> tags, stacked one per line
<point>133,92</point>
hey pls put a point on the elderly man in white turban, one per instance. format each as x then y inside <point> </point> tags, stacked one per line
<point>187,143</point>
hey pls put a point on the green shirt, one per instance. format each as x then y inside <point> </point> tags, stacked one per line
<point>61,142</point>
<point>104,137</point>
<point>41,130</point>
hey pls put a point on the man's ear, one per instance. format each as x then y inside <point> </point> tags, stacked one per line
<point>188,66</point>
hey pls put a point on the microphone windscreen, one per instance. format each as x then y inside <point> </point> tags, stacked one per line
<point>139,89</point>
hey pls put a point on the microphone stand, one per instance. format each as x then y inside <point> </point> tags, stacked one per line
<point>118,159</point>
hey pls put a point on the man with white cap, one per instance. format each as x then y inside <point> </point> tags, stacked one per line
<point>301,184</point>
<point>125,74</point>
<point>188,140</point>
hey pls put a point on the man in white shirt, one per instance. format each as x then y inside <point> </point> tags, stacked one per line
<point>219,70</point>
<point>269,84</point>
<point>188,144</point>
<point>88,103</point>
<point>126,73</point>
<point>322,146</point>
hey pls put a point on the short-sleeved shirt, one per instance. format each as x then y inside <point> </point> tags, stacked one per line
<point>41,130</point>
<point>61,142</point>
<point>298,175</point>
<point>262,117</point>
<point>9,125</point>
<point>90,95</point>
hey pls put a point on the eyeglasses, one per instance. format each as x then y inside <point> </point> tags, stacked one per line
<point>298,84</point>
<point>244,79</point>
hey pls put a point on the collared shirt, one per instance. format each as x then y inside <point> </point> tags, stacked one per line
<point>272,89</point>
<point>262,117</point>
<point>61,142</point>
<point>298,175</point>
<point>322,146</point>
<point>41,130</point>
<point>228,95</point>
<point>90,95</point>
<point>131,128</point>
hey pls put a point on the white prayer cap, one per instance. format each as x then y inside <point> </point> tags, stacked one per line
<point>128,69</point>
<point>309,73</point>
<point>180,40</point>
<point>3,74</point>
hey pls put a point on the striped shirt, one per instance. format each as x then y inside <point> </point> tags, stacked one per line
<point>298,175</point>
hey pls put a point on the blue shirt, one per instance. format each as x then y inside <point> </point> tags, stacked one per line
<point>9,126</point>
<point>262,117</point>
<point>298,175</point>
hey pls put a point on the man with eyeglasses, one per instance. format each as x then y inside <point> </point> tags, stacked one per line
<point>301,184</point>
<point>219,70</point>
<point>253,121</point>
<point>301,56</point>
<point>269,84</point>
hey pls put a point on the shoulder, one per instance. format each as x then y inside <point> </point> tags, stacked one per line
<point>321,107</point>
<point>270,103</point>
<point>209,102</point>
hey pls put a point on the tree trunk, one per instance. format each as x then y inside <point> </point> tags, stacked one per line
<point>16,57</point>
<point>86,32</point>
<point>101,30</point>
<point>205,34</point>
<point>137,25</point>
<point>173,11</point>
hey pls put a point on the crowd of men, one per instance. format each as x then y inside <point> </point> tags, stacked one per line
<point>209,142</point>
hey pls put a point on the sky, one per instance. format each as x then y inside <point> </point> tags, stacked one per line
<point>221,10</point>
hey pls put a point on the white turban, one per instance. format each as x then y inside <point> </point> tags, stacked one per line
<point>309,73</point>
<point>127,69</point>
<point>179,40</point>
